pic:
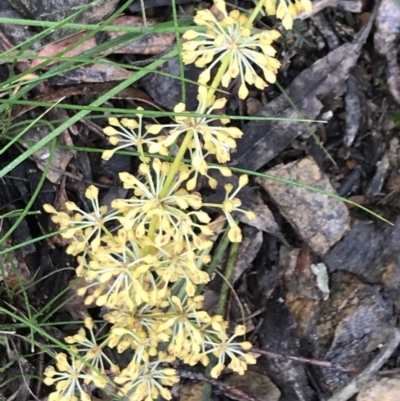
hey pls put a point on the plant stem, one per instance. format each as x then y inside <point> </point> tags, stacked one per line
<point>255,12</point>
<point>177,162</point>
<point>217,257</point>
<point>217,79</point>
<point>168,181</point>
<point>228,274</point>
<point>188,138</point>
<point>206,394</point>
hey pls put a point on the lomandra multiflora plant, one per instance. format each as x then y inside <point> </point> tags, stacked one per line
<point>142,259</point>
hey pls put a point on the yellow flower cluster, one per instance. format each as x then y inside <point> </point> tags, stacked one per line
<point>231,38</point>
<point>142,260</point>
<point>130,257</point>
<point>207,137</point>
<point>287,10</point>
<point>73,375</point>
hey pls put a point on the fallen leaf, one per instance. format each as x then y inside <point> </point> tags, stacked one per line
<point>192,392</point>
<point>302,278</point>
<point>95,73</point>
<point>353,110</point>
<point>370,252</point>
<point>168,89</point>
<point>14,270</point>
<point>57,10</point>
<point>385,40</point>
<point>61,157</point>
<point>278,334</point>
<point>248,250</point>
<point>137,5</point>
<point>149,44</point>
<point>52,95</point>
<point>343,332</point>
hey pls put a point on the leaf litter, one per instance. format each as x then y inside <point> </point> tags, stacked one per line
<point>312,281</point>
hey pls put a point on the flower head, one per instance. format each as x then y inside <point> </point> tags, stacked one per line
<point>88,346</point>
<point>287,10</point>
<point>128,132</point>
<point>231,38</point>
<point>226,347</point>
<point>209,135</point>
<point>68,379</point>
<point>233,204</point>
<point>121,271</point>
<point>82,227</point>
<point>147,381</point>
<point>176,265</point>
<point>184,325</point>
<point>168,209</point>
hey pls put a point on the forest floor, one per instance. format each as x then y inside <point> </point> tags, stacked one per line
<point>316,278</point>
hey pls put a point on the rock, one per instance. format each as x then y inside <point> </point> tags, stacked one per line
<point>192,392</point>
<point>320,220</point>
<point>387,389</point>
<point>256,385</point>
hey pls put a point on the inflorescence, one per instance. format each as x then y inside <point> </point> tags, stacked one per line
<point>142,259</point>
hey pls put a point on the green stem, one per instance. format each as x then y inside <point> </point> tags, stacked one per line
<point>255,12</point>
<point>207,388</point>
<point>228,275</point>
<point>177,162</point>
<point>217,79</point>
<point>168,181</point>
<point>217,257</point>
<point>188,138</point>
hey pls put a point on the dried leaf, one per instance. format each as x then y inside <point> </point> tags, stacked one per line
<point>137,5</point>
<point>343,333</point>
<point>353,110</point>
<point>370,252</point>
<point>76,304</point>
<point>61,157</point>
<point>385,40</point>
<point>57,10</point>
<point>302,278</point>
<point>191,393</point>
<point>95,73</point>
<point>167,90</point>
<point>150,44</point>
<point>248,250</point>
<point>352,6</point>
<point>52,95</point>
<point>278,334</point>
